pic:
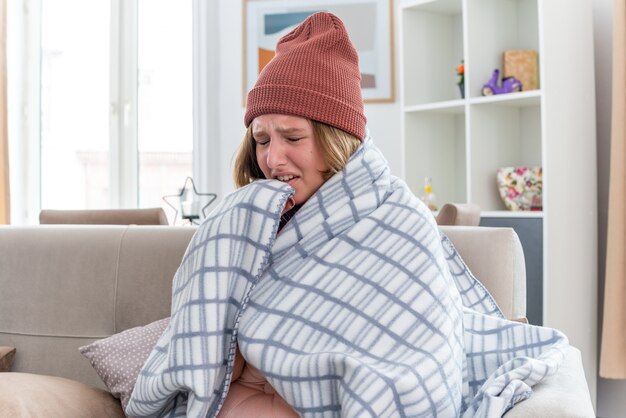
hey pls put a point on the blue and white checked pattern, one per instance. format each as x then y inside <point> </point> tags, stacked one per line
<point>355,312</point>
<point>221,265</point>
<point>358,315</point>
<point>503,360</point>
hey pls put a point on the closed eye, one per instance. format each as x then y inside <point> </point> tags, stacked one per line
<point>261,141</point>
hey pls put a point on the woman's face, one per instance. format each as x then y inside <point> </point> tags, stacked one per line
<point>287,150</point>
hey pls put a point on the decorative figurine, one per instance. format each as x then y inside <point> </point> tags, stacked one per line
<point>460,72</point>
<point>509,85</point>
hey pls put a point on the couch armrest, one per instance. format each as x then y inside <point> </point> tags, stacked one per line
<point>495,256</point>
<point>563,395</point>
<point>6,358</point>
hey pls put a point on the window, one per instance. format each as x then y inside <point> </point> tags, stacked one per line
<point>116,102</point>
<point>74,116</point>
<point>165,134</point>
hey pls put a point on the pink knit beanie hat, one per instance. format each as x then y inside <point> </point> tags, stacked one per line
<point>315,74</point>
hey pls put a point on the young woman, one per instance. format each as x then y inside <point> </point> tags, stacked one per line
<point>305,121</point>
<point>321,288</point>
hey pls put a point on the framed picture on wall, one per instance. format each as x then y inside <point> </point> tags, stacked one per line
<point>369,24</point>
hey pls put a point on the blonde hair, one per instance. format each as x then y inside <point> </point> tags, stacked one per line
<point>335,145</point>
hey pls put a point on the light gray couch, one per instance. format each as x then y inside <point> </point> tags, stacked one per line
<point>64,286</point>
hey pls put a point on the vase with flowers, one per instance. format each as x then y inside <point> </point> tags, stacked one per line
<point>460,81</point>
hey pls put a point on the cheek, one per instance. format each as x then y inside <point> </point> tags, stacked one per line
<point>261,159</point>
<point>316,168</point>
<point>318,161</point>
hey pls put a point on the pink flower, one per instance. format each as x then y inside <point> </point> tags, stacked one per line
<point>512,192</point>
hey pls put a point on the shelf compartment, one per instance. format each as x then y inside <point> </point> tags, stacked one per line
<point>435,147</point>
<point>500,136</point>
<point>492,27</point>
<point>432,41</point>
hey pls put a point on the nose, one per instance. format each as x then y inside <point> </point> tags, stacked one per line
<point>275,154</point>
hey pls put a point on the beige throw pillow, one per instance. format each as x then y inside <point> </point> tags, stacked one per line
<point>118,359</point>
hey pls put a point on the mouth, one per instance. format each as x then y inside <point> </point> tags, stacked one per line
<point>287,179</point>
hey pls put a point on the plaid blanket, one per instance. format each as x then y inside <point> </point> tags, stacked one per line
<point>359,307</point>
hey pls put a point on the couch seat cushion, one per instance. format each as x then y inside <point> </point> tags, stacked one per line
<point>31,395</point>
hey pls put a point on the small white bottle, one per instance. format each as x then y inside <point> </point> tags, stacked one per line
<point>429,197</point>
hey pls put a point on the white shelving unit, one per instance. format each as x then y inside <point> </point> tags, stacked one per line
<point>461,142</point>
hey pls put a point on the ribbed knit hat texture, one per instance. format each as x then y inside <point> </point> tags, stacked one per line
<point>314,74</point>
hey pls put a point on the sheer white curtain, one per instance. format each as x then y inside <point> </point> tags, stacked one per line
<point>206,124</point>
<point>5,200</point>
<point>613,347</point>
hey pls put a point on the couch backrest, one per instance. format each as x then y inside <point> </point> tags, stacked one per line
<point>496,258</point>
<point>63,286</point>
